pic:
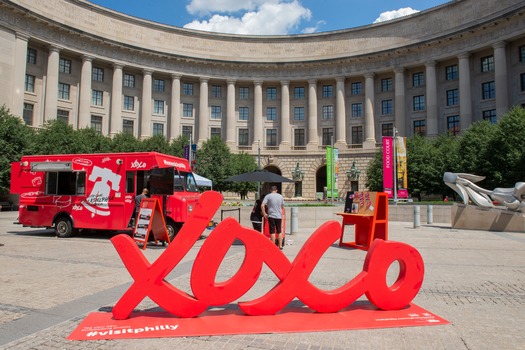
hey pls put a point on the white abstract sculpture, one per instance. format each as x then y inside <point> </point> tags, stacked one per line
<point>463,184</point>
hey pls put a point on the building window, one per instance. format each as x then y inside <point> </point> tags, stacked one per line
<point>63,91</point>
<point>357,88</point>
<point>419,103</point>
<point>158,129</point>
<point>299,137</point>
<point>488,90</point>
<point>522,53</point>
<point>522,81</point>
<point>298,93</point>
<point>97,74</point>
<point>328,91</point>
<point>418,79</point>
<point>216,112</point>
<point>271,93</point>
<point>452,97</point>
<point>158,107</point>
<point>129,103</point>
<point>31,56</point>
<point>215,91</point>
<point>271,137</point>
<point>420,127</point>
<point>187,89</point>
<point>215,132</point>
<point>244,137</point>
<point>187,131</point>
<point>63,115</point>
<point>487,64</point>
<point>127,126</point>
<point>129,80</point>
<point>96,98</point>
<point>29,85</point>
<point>328,135</point>
<point>386,107</point>
<point>328,112</point>
<point>271,113</point>
<point>387,129</point>
<point>187,110</point>
<point>490,115</point>
<point>96,123</point>
<point>453,125</point>
<point>159,85</point>
<point>28,113</point>
<point>64,66</point>
<point>357,110</point>
<point>244,113</point>
<point>244,93</point>
<point>386,84</point>
<point>298,113</point>
<point>357,135</point>
<point>451,72</point>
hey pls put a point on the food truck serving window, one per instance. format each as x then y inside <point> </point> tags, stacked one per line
<point>66,183</point>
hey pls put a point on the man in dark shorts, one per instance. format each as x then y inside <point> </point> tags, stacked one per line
<point>272,209</point>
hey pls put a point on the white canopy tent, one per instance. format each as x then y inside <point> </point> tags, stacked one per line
<point>202,181</point>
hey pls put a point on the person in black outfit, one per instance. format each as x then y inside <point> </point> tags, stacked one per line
<point>256,214</point>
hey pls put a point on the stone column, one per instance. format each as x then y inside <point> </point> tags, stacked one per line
<point>116,100</point>
<point>400,110</point>
<point>370,139</point>
<point>500,79</point>
<point>175,107</point>
<point>145,117</point>
<point>431,100</point>
<point>84,108</point>
<point>340,114</point>
<point>465,96</point>
<point>258,125</point>
<point>230,114</point>
<point>19,75</point>
<point>51,93</point>
<point>313,138</point>
<point>285,116</point>
<point>203,111</point>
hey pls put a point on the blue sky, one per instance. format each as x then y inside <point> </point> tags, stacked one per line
<point>268,17</point>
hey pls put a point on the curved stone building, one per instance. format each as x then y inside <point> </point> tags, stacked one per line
<point>283,97</point>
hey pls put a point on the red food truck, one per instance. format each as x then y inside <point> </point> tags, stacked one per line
<point>72,192</point>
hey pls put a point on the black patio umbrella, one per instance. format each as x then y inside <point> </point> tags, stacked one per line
<point>258,176</point>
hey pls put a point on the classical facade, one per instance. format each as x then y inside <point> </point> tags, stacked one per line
<point>284,98</point>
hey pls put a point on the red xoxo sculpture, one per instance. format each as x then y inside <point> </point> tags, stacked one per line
<point>293,276</point>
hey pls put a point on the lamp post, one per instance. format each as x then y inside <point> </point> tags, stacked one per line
<point>259,167</point>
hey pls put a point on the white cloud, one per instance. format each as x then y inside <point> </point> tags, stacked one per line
<point>207,7</point>
<point>273,17</point>
<point>389,15</point>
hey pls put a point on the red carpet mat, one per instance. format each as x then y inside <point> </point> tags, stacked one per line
<point>101,325</point>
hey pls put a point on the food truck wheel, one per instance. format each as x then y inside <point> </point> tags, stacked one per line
<point>63,227</point>
<point>173,228</point>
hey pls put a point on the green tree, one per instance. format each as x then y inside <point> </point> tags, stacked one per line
<point>505,150</point>
<point>213,162</point>
<point>424,177</point>
<point>374,173</point>
<point>56,137</point>
<point>88,140</point>
<point>177,145</point>
<point>242,163</point>
<point>124,142</point>
<point>15,138</point>
<point>156,143</point>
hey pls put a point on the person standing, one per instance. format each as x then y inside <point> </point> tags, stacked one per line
<point>256,214</point>
<point>138,199</point>
<point>272,209</point>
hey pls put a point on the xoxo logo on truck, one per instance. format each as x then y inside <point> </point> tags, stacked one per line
<point>292,275</point>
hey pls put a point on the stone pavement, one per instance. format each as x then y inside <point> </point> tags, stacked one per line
<point>474,279</point>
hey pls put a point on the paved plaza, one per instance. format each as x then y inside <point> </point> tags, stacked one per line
<point>474,279</point>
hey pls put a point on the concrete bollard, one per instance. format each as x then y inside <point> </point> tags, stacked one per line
<point>417,214</point>
<point>430,215</point>
<point>294,223</point>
